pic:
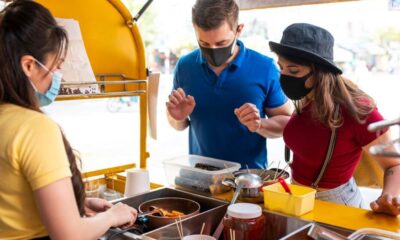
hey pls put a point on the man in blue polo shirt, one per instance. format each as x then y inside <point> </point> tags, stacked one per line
<point>224,91</point>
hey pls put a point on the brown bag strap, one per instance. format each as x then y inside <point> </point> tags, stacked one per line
<point>329,153</point>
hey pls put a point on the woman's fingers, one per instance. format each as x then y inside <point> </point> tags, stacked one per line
<point>386,204</point>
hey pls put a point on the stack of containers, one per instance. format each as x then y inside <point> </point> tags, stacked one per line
<point>198,173</point>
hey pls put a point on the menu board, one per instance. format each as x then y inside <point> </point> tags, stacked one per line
<point>76,67</point>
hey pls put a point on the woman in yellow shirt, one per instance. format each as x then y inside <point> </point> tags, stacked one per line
<point>41,190</point>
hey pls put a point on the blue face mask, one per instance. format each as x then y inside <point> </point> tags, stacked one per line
<point>50,95</point>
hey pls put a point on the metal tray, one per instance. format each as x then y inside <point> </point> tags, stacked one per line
<point>211,212</point>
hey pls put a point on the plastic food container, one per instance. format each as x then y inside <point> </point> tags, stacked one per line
<point>373,233</point>
<point>298,203</point>
<point>182,172</point>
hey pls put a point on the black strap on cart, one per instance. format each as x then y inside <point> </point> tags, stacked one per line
<point>142,10</point>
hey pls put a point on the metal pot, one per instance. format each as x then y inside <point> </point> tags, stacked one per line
<point>186,206</point>
<point>249,186</point>
<point>255,194</point>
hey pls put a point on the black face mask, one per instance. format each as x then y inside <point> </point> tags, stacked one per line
<point>218,56</point>
<point>294,87</point>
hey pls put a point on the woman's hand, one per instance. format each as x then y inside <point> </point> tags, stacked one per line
<point>386,204</point>
<point>96,205</point>
<point>249,116</point>
<point>122,215</point>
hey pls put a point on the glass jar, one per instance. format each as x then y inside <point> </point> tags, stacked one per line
<point>244,221</point>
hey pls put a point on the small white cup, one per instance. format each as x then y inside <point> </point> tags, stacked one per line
<point>137,182</point>
<point>198,237</point>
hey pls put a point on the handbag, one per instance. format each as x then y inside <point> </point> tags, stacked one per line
<point>368,173</point>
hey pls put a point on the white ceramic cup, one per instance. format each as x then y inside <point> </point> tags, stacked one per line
<point>198,237</point>
<point>137,182</point>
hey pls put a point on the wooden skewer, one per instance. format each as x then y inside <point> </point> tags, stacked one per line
<point>266,178</point>
<point>180,222</point>
<point>270,164</point>
<point>202,228</point>
<point>262,173</point>
<point>277,170</point>
<point>201,232</point>
<point>179,230</point>
<point>283,171</point>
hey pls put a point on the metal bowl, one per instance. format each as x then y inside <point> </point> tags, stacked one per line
<point>186,206</point>
<point>255,195</point>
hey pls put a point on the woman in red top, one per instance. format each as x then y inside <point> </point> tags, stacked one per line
<point>328,106</point>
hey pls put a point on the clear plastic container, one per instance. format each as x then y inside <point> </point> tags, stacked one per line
<point>373,234</point>
<point>182,172</point>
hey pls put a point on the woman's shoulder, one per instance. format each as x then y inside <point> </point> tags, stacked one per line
<point>24,117</point>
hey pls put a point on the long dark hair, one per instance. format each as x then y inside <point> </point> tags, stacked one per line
<point>331,89</point>
<point>28,28</point>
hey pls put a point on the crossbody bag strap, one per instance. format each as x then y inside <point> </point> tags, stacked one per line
<point>287,154</point>
<point>329,153</point>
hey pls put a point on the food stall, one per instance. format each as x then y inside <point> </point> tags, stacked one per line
<point>110,32</point>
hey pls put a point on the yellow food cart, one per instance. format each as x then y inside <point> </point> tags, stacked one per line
<point>110,32</point>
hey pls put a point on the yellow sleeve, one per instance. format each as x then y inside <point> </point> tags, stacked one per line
<point>40,152</point>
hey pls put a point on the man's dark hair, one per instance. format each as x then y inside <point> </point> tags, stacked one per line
<point>211,14</point>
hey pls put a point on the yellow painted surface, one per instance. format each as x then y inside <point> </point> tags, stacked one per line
<point>342,216</point>
<point>112,41</point>
<point>351,218</point>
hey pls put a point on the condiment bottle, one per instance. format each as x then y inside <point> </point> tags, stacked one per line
<point>244,221</point>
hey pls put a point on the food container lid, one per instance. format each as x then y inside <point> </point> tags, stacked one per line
<point>244,210</point>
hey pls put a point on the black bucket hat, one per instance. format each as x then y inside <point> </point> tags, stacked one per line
<point>308,42</point>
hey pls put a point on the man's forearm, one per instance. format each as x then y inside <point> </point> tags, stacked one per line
<point>273,127</point>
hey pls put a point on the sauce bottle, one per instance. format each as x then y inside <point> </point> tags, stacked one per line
<point>244,221</point>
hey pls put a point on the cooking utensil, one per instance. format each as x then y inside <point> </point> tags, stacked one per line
<point>186,206</point>
<point>284,185</point>
<point>118,231</point>
<point>246,185</point>
<point>250,185</point>
<point>152,211</point>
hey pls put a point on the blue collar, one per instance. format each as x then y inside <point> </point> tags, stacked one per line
<point>236,62</point>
